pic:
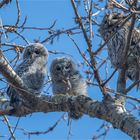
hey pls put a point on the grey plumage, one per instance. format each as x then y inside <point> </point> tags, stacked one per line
<point>66,79</point>
<point>111,29</point>
<point>32,71</point>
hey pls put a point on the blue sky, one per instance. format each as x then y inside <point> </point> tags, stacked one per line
<point>42,13</point>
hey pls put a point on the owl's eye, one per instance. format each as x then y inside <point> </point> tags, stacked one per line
<point>67,67</point>
<point>58,68</point>
<point>37,51</point>
<point>116,17</point>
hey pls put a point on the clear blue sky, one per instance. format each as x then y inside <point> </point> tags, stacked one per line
<point>42,13</point>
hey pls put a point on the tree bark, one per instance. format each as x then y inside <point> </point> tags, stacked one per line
<point>106,110</point>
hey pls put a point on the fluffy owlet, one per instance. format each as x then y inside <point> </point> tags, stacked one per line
<point>112,25</point>
<point>32,71</point>
<point>66,79</point>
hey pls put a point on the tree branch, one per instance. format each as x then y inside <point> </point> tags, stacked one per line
<point>89,44</point>
<point>106,110</point>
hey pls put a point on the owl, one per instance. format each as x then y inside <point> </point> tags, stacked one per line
<point>32,70</point>
<point>115,34</point>
<point>66,79</point>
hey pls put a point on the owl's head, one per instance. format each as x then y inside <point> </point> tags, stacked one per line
<point>112,19</point>
<point>62,67</point>
<point>111,22</point>
<point>34,51</point>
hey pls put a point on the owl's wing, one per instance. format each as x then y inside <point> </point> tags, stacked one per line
<point>79,84</point>
<point>20,69</point>
<point>133,71</point>
<point>23,67</point>
<point>135,43</point>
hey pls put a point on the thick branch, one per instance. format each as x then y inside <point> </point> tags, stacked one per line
<point>106,110</point>
<point>12,78</point>
<point>9,73</point>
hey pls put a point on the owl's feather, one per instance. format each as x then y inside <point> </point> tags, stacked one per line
<point>32,71</point>
<point>66,79</point>
<point>111,29</point>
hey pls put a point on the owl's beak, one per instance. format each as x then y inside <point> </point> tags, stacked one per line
<point>33,56</point>
<point>67,82</point>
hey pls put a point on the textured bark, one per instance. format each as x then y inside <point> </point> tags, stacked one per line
<point>10,74</point>
<point>106,110</point>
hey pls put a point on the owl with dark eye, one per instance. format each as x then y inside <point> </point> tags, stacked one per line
<point>66,79</point>
<point>32,70</point>
<point>114,30</point>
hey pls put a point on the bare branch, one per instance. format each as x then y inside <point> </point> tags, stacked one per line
<point>106,110</point>
<point>47,131</point>
<point>18,16</point>
<point>110,77</point>
<point>87,62</point>
<point>89,43</point>
<point>132,86</point>
<point>123,95</point>
<point>9,127</point>
<point>15,127</point>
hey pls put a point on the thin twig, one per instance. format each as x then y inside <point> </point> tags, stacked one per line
<point>21,47</point>
<point>1,26</point>
<point>109,77</point>
<point>18,16</point>
<point>118,5</point>
<point>89,44</point>
<point>123,95</point>
<point>9,127</point>
<point>22,37</point>
<point>70,129</point>
<point>47,131</point>
<point>15,127</point>
<point>88,63</point>
<point>90,23</point>
<point>59,32</point>
<point>132,86</point>
<point>103,62</point>
<point>81,24</point>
